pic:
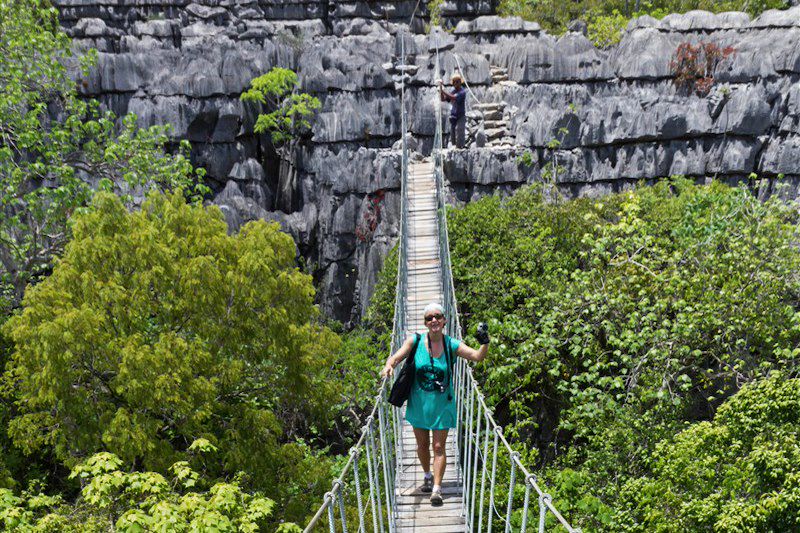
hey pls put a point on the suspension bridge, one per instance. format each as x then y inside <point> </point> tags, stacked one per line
<point>486,486</point>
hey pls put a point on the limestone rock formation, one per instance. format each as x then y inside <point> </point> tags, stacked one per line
<point>617,114</point>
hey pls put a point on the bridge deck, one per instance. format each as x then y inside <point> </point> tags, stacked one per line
<point>414,511</point>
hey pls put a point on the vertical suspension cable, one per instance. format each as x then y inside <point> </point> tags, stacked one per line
<point>467,449</point>
<point>386,474</point>
<point>474,473</point>
<point>340,499</point>
<point>483,474</point>
<point>459,393</point>
<point>494,472</point>
<point>511,484</point>
<point>392,457</point>
<point>373,461</point>
<point>525,506</point>
<point>331,520</point>
<point>359,499</point>
<point>543,500</point>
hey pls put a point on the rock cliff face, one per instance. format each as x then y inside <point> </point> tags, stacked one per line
<point>617,114</point>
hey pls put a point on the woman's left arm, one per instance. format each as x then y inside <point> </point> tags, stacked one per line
<point>471,354</point>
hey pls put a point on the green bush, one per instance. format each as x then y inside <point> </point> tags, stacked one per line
<point>606,30</point>
<point>737,472</point>
<point>116,499</point>
<point>618,321</point>
<point>604,18</point>
<point>157,328</point>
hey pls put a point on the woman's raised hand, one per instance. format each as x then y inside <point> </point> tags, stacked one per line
<point>483,333</point>
<point>388,370</point>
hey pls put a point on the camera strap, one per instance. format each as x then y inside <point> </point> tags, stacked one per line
<point>448,357</point>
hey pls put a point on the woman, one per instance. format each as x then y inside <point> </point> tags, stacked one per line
<point>431,404</point>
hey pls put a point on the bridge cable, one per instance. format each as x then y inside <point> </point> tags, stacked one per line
<point>383,447</point>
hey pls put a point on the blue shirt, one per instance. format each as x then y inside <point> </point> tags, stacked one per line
<point>427,407</point>
<point>459,106</point>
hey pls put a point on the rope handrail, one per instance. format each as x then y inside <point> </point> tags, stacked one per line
<point>467,387</point>
<point>380,442</point>
<point>339,480</point>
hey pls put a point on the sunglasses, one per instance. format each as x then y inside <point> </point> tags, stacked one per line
<point>437,316</point>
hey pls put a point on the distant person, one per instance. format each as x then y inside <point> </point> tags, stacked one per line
<point>431,405</point>
<point>458,110</point>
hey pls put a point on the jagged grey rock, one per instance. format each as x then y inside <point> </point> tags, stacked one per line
<point>616,114</point>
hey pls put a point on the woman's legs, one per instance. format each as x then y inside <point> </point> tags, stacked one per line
<point>439,455</point>
<point>423,437</point>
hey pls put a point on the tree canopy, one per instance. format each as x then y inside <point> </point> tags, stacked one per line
<point>156,328</point>
<point>113,498</point>
<point>623,330</point>
<point>56,148</point>
<point>737,472</point>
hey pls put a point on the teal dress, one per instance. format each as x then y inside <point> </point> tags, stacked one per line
<point>427,408</point>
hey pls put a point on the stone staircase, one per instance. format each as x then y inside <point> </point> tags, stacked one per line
<point>489,121</point>
<point>499,74</point>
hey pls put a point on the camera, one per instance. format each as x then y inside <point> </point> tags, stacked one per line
<point>439,386</point>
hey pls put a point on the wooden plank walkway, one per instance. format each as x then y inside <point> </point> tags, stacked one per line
<point>414,511</point>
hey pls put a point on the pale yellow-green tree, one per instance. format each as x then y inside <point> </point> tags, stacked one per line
<point>157,328</point>
<point>113,498</point>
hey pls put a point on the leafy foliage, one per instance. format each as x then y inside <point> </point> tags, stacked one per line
<point>621,321</point>
<point>606,30</point>
<point>157,328</point>
<point>737,472</point>
<point>290,110</point>
<point>56,148</point>
<point>604,17</point>
<point>115,499</point>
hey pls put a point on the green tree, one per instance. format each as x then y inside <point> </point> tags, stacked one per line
<point>115,499</point>
<point>56,148</point>
<point>738,472</point>
<point>619,321</point>
<point>157,328</point>
<point>287,119</point>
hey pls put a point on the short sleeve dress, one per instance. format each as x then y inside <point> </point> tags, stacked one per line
<point>427,408</point>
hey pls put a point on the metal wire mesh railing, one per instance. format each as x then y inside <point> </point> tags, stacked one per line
<point>496,487</point>
<point>476,422</point>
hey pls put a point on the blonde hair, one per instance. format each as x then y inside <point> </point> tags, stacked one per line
<point>456,78</point>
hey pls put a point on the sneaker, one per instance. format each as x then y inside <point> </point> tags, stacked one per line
<point>427,484</point>
<point>436,499</point>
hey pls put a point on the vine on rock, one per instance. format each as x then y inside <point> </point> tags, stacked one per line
<point>371,217</point>
<point>693,65</point>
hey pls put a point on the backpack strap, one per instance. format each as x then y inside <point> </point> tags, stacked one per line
<point>413,353</point>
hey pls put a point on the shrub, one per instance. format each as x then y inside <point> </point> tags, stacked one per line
<point>693,66</point>
<point>606,30</point>
<point>737,472</point>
